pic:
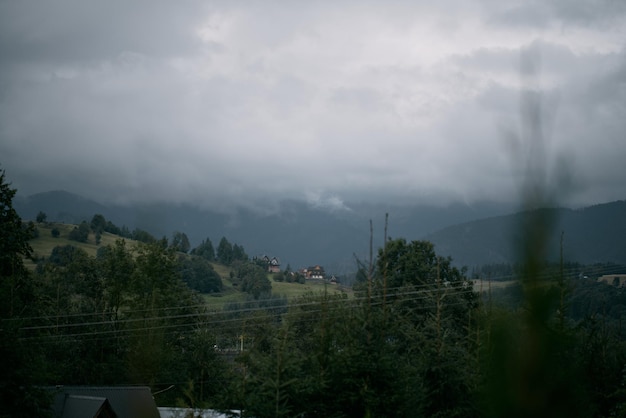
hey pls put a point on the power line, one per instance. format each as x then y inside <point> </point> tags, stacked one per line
<point>404,293</point>
<point>417,296</point>
<point>396,292</point>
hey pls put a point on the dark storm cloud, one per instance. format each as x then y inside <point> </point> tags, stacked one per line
<point>229,103</point>
<point>540,14</point>
<point>75,31</point>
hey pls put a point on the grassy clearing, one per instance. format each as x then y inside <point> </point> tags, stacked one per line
<point>289,290</point>
<point>224,272</point>
<point>219,300</point>
<point>45,243</point>
<point>294,290</point>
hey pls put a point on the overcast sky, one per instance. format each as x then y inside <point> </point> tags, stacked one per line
<point>249,102</point>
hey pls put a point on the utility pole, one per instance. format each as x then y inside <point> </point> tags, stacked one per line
<point>385,262</point>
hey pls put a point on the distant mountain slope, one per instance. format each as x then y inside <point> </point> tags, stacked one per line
<point>301,234</point>
<point>591,235</point>
<point>298,233</point>
<point>59,206</point>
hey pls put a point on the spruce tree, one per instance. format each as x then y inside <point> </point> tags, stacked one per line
<point>19,395</point>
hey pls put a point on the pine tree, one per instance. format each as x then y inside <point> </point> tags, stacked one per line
<point>19,397</point>
<point>225,252</point>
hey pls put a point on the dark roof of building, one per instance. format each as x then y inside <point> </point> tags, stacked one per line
<point>87,407</point>
<point>122,401</point>
<point>315,268</point>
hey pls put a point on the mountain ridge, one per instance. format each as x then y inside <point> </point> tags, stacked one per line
<point>590,235</point>
<point>301,234</point>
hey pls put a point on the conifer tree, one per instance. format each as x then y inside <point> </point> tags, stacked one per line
<point>21,371</point>
<point>225,252</point>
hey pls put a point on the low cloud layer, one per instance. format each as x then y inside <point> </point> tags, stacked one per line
<point>247,103</point>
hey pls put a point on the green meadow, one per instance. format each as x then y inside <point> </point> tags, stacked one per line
<point>44,243</point>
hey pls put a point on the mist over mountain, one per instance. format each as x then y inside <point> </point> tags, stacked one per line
<point>299,233</point>
<point>594,234</point>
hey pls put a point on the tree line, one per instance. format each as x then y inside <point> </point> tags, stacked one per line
<point>226,252</point>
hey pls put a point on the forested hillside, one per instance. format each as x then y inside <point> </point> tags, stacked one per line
<point>590,235</point>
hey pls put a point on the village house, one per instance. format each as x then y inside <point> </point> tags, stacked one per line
<point>314,272</point>
<point>272,264</point>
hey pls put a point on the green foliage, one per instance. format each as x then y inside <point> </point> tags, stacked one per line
<point>124,316</point>
<point>239,254</point>
<point>279,277</point>
<point>362,282</point>
<point>34,231</point>
<point>401,351</point>
<point>19,361</point>
<point>205,250</point>
<point>180,242</point>
<point>228,253</point>
<point>253,279</point>
<point>289,277</point>
<point>98,223</point>
<point>199,274</point>
<point>117,266</point>
<point>139,289</point>
<point>204,368</point>
<point>433,303</point>
<point>274,376</point>
<point>224,252</point>
<point>416,263</point>
<point>55,232</point>
<point>111,228</point>
<point>64,255</point>
<point>41,217</point>
<point>155,277</point>
<point>80,233</point>
<point>14,243</point>
<point>75,283</point>
<point>142,236</point>
<point>144,313</point>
